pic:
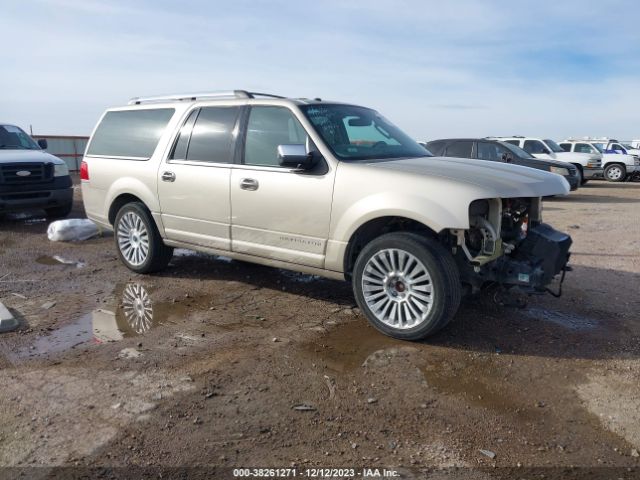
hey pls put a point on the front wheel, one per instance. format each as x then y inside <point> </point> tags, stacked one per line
<point>138,241</point>
<point>615,172</point>
<point>408,286</point>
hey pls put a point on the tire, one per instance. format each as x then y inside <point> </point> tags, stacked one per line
<point>615,172</point>
<point>138,241</point>
<point>390,302</point>
<point>59,212</point>
<point>580,175</point>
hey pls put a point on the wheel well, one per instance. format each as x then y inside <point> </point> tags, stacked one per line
<point>376,227</point>
<point>610,164</point>
<point>118,203</point>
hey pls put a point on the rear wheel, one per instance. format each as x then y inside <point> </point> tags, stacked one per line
<point>408,286</point>
<point>138,241</point>
<point>615,172</point>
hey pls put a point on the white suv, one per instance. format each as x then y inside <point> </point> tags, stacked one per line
<point>617,166</point>
<point>324,188</point>
<point>589,165</point>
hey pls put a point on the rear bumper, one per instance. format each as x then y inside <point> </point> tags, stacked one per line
<point>23,197</point>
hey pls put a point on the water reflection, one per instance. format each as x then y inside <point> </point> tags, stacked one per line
<point>137,307</point>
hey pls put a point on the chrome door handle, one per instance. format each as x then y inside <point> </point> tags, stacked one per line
<point>168,177</point>
<point>249,184</point>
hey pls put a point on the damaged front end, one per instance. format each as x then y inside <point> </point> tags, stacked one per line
<point>508,246</point>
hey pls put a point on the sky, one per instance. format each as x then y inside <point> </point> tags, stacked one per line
<point>437,69</point>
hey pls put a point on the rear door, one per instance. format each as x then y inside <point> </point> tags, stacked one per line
<point>193,183</point>
<point>278,212</point>
<point>460,149</point>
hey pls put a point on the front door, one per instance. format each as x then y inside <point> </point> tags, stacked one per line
<point>277,212</point>
<point>193,183</point>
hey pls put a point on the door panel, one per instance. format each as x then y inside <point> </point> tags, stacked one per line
<point>195,207</point>
<point>285,218</point>
<point>193,184</point>
<point>276,212</point>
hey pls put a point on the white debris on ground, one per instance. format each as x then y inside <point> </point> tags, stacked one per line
<point>7,320</point>
<point>72,230</point>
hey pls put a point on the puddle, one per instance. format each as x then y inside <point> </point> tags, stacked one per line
<point>58,260</point>
<point>346,347</point>
<point>185,252</point>
<point>571,321</point>
<point>299,277</point>
<point>476,382</point>
<point>134,314</point>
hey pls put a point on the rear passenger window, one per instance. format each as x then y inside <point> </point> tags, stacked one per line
<point>130,133</point>
<point>488,151</point>
<point>565,146</point>
<point>211,138</point>
<point>436,147</point>
<point>584,148</point>
<point>180,148</point>
<point>534,147</point>
<point>460,149</point>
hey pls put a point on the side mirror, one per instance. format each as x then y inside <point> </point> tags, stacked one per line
<point>506,158</point>
<point>546,151</point>
<point>43,144</point>
<point>295,156</point>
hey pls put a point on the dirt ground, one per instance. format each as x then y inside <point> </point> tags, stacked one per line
<point>238,365</point>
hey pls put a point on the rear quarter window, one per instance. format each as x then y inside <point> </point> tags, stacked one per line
<point>130,133</point>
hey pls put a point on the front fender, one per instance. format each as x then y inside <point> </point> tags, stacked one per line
<point>433,214</point>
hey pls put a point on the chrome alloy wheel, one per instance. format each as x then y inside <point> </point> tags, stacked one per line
<point>614,173</point>
<point>138,308</point>
<point>133,238</point>
<point>397,288</point>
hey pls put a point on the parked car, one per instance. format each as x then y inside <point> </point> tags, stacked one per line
<point>324,188</point>
<point>497,151</point>
<point>588,165</point>
<point>617,166</point>
<point>31,178</point>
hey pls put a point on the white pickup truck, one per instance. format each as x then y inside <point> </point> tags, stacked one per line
<point>588,163</point>
<point>618,163</point>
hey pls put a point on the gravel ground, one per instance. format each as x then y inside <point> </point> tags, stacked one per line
<point>238,365</point>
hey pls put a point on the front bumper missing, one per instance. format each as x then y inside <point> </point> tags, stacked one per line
<point>531,267</point>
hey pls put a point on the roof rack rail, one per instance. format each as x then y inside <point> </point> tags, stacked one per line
<point>191,97</point>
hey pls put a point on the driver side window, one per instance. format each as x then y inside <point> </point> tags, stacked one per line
<point>269,127</point>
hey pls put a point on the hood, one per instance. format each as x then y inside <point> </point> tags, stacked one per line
<point>568,156</point>
<point>545,163</point>
<point>495,179</point>
<point>27,156</point>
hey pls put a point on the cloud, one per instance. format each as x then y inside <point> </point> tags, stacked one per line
<point>435,68</point>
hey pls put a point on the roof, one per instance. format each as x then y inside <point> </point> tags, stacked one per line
<point>216,95</point>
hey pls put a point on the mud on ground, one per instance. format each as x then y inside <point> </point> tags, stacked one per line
<point>229,364</point>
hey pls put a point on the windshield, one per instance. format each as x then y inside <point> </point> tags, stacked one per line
<point>628,147</point>
<point>599,147</point>
<point>12,137</point>
<point>517,151</point>
<point>358,133</point>
<point>554,146</point>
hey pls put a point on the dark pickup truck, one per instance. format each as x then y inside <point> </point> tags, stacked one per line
<point>31,178</point>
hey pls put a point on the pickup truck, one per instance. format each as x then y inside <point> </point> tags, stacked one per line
<point>31,178</point>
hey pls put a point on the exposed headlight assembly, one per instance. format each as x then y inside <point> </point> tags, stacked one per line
<point>559,170</point>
